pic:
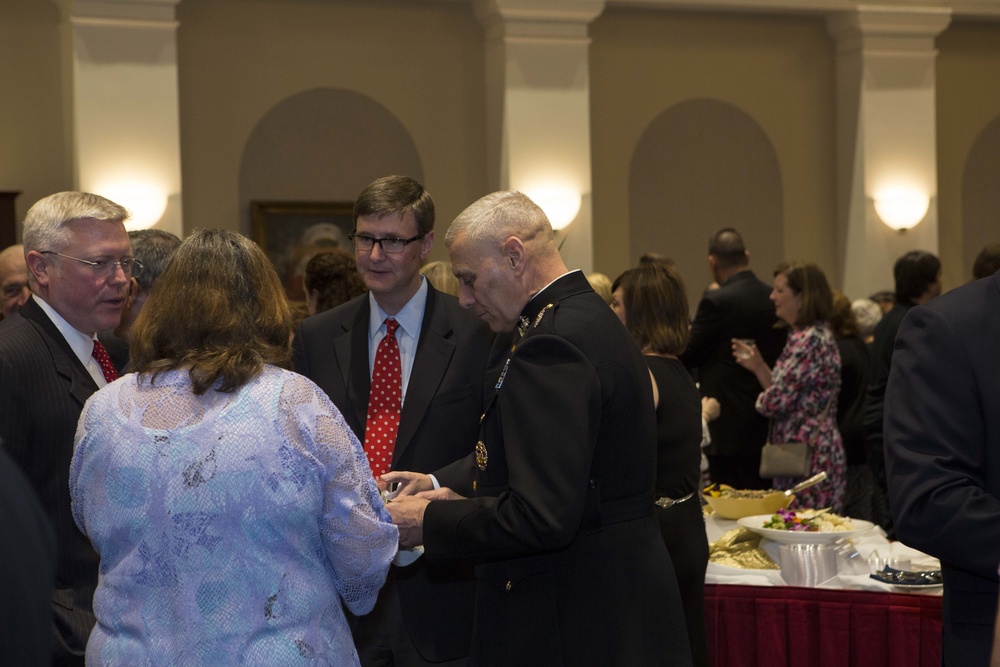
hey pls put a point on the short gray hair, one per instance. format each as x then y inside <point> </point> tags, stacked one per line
<point>153,248</point>
<point>868,313</point>
<point>45,223</point>
<point>498,216</point>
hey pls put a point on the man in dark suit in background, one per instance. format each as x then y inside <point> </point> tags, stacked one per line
<point>918,280</point>
<point>740,308</point>
<point>79,262</point>
<point>424,612</point>
<point>153,248</point>
<point>27,571</point>
<point>572,569</point>
<point>14,289</point>
<point>942,455</point>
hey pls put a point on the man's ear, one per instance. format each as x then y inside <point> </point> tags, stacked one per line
<point>39,267</point>
<point>426,244</point>
<point>513,253</point>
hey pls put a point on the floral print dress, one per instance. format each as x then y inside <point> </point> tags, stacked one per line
<point>802,403</point>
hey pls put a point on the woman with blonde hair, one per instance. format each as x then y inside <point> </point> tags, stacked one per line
<point>439,275</point>
<point>232,508</point>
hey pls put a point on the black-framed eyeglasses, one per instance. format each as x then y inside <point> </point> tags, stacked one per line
<point>105,268</point>
<point>390,245</point>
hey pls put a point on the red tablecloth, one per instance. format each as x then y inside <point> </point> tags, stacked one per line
<point>786,626</point>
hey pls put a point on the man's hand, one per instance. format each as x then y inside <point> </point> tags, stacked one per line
<point>444,493</point>
<point>410,483</point>
<point>408,515</point>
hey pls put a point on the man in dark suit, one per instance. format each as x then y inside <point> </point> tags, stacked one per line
<point>572,569</point>
<point>13,280</point>
<point>27,571</point>
<point>79,262</point>
<point>152,248</point>
<point>942,439</point>
<point>739,308</point>
<point>424,612</point>
<point>918,280</point>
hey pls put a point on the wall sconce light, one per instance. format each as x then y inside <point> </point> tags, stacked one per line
<point>145,202</point>
<point>901,208</point>
<point>560,203</point>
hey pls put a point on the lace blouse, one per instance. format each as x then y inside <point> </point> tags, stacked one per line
<point>231,527</point>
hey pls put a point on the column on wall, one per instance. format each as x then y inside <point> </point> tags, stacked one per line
<point>886,139</point>
<point>125,120</point>
<point>538,110</point>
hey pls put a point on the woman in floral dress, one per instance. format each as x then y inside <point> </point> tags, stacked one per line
<point>800,393</point>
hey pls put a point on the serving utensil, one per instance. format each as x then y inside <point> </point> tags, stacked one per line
<point>806,483</point>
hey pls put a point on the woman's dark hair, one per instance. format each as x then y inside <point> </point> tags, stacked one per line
<point>656,308</point>
<point>808,281</point>
<point>218,310</point>
<point>334,275</point>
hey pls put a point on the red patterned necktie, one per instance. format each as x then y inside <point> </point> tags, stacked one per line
<point>101,355</point>
<point>384,402</point>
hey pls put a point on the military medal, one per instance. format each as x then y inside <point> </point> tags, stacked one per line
<point>482,456</point>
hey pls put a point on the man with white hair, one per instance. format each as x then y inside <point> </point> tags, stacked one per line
<point>571,566</point>
<point>79,262</point>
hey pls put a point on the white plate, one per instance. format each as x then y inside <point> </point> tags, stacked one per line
<point>756,523</point>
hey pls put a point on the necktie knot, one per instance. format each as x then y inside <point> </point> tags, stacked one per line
<point>100,355</point>
<point>390,326</point>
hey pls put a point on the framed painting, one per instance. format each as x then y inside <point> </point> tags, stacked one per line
<point>292,232</point>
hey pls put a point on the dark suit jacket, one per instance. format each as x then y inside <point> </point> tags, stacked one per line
<point>942,439</point>
<point>740,308</point>
<point>438,424</point>
<point>27,571</point>
<point>855,368</point>
<point>43,387</point>
<point>873,412</point>
<point>572,569</point>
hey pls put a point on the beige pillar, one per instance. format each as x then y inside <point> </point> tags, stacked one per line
<point>538,108</point>
<point>886,137</point>
<point>122,88</point>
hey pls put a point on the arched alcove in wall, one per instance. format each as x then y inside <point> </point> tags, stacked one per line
<point>319,146</point>
<point>980,195</point>
<point>702,165</point>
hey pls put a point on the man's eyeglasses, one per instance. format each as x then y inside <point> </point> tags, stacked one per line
<point>390,245</point>
<point>104,267</point>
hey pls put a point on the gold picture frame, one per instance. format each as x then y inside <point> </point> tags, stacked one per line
<point>291,232</point>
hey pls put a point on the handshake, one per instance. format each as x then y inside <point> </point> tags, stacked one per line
<point>407,495</point>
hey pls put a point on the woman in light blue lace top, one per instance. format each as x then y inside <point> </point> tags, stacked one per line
<point>232,507</point>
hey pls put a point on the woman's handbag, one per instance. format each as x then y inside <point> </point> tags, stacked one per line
<point>793,459</point>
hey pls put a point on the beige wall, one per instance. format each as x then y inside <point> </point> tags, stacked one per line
<point>423,62</point>
<point>968,98</point>
<point>778,70</point>
<point>34,153</point>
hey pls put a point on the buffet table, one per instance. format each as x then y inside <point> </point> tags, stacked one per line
<point>753,618</point>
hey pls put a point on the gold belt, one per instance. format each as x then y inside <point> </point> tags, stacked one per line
<point>665,502</point>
